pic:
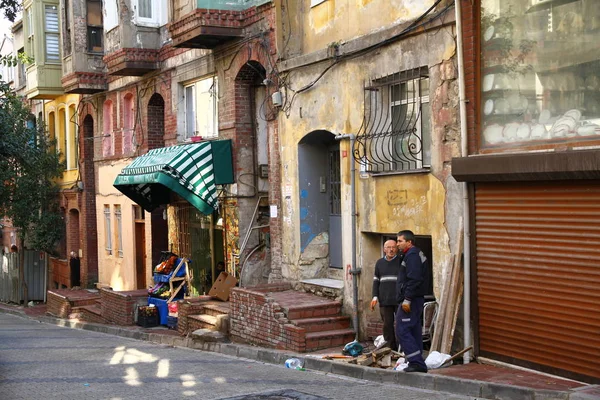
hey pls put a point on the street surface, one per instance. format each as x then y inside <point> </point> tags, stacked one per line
<point>41,361</point>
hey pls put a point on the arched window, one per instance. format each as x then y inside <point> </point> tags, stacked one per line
<point>62,133</point>
<point>107,131</point>
<point>128,123</point>
<point>71,139</point>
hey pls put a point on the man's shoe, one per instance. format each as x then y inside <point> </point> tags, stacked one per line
<point>415,368</point>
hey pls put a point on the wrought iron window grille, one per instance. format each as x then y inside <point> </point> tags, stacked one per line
<point>395,133</point>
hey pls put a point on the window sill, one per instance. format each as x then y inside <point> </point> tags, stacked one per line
<point>388,173</point>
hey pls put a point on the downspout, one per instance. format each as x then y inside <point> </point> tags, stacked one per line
<point>466,217</point>
<point>354,270</point>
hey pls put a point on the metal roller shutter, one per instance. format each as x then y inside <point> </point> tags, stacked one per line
<point>538,275</point>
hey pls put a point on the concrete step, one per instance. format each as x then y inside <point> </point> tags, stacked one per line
<point>327,339</point>
<point>324,309</point>
<point>211,322</point>
<point>321,324</point>
<point>207,335</point>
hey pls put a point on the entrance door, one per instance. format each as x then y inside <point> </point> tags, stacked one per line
<point>140,247</point>
<point>200,227</point>
<point>335,208</point>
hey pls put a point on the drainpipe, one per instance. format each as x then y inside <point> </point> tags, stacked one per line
<point>354,271</point>
<point>464,153</point>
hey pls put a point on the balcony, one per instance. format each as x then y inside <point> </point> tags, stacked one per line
<point>132,61</point>
<point>206,24</point>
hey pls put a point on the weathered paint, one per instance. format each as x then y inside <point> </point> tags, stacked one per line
<point>334,21</point>
<point>427,203</point>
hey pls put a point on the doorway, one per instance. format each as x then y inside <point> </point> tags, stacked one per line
<point>140,247</point>
<point>320,193</point>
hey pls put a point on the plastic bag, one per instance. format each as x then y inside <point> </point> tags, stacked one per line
<point>294,363</point>
<point>379,342</point>
<point>400,364</point>
<point>353,348</point>
<point>435,359</point>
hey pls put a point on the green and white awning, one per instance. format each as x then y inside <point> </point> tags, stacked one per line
<point>192,171</point>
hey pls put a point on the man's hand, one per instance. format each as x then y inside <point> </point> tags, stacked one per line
<point>406,306</point>
<point>373,303</point>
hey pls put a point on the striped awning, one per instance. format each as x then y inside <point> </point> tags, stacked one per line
<point>192,171</point>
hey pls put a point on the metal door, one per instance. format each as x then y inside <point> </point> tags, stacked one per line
<point>538,275</point>
<point>335,208</point>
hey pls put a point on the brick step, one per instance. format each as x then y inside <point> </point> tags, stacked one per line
<point>76,303</point>
<point>215,310</point>
<point>327,339</point>
<point>76,313</point>
<point>323,323</point>
<point>326,309</point>
<point>92,313</point>
<point>212,322</point>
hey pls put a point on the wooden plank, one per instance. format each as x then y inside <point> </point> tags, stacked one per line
<point>443,303</point>
<point>446,343</point>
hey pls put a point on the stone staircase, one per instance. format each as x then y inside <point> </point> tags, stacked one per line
<point>320,318</point>
<point>275,316</point>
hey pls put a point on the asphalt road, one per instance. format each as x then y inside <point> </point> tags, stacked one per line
<point>41,361</point>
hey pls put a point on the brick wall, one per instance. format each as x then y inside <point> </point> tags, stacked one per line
<point>188,307</point>
<point>470,27</point>
<point>57,305</point>
<point>119,307</point>
<point>257,319</point>
<point>88,228</point>
<point>374,328</point>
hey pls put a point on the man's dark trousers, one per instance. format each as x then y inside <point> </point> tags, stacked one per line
<point>409,331</point>
<point>388,315</point>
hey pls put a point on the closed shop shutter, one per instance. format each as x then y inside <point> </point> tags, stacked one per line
<point>538,275</point>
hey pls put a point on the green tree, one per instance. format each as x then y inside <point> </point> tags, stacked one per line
<point>29,168</point>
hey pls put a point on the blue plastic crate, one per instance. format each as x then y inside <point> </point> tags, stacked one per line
<point>172,322</point>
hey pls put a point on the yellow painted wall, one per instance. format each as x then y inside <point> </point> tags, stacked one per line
<point>340,20</point>
<point>65,131</point>
<point>385,204</point>
<point>118,272</point>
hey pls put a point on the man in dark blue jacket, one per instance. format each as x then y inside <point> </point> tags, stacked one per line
<point>411,288</point>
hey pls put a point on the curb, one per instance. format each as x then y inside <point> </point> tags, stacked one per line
<point>448,384</point>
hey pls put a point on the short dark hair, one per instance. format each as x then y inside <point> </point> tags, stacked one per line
<point>409,236</point>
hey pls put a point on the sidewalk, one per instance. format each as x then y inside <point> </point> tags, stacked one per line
<point>476,380</point>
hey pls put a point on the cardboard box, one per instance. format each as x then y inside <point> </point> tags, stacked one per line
<point>222,285</point>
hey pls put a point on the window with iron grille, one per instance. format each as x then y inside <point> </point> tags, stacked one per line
<point>107,230</point>
<point>119,231</point>
<point>396,131</point>
<point>51,31</point>
<point>95,31</point>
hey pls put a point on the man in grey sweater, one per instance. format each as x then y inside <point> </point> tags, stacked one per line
<point>384,290</point>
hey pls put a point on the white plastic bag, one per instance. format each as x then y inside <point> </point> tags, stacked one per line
<point>435,359</point>
<point>400,364</point>
<point>379,342</point>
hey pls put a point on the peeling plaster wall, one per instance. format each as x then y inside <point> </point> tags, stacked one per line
<point>333,21</point>
<point>427,203</point>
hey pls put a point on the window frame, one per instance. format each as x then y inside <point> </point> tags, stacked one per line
<point>417,99</point>
<point>213,91</point>
<point>107,230</point>
<point>158,8</point>
<point>50,33</point>
<point>118,230</point>
<point>91,27</point>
